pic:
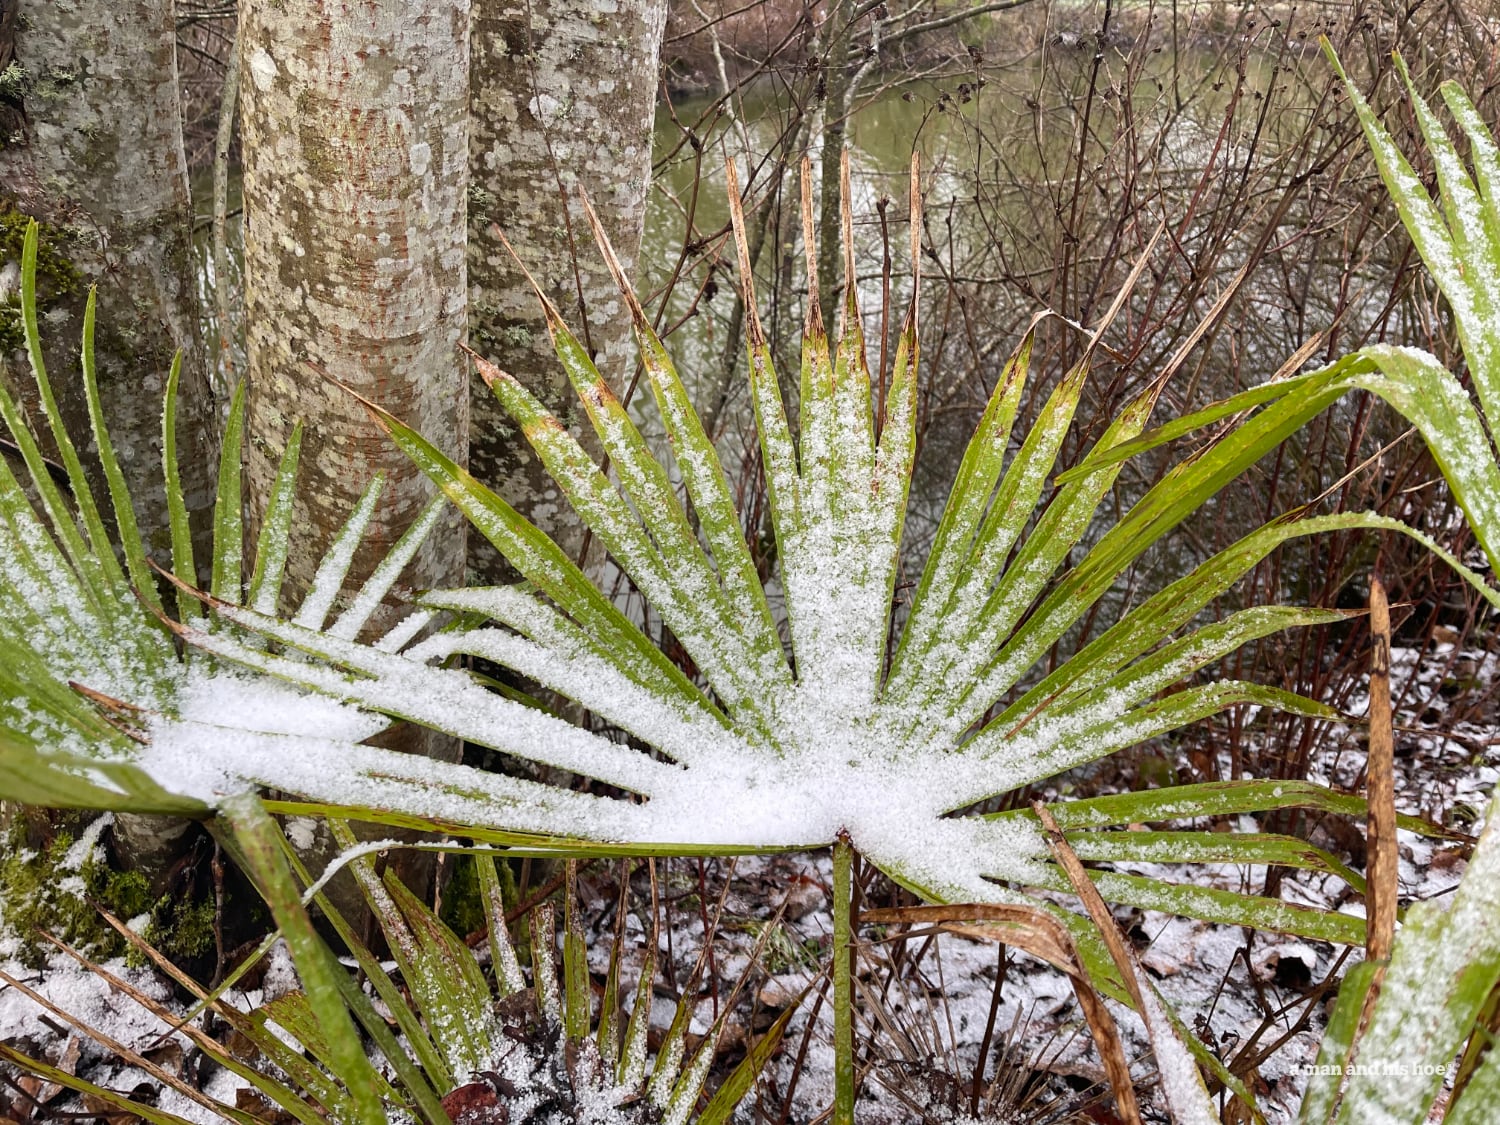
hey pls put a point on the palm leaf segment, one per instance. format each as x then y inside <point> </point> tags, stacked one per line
<point>787,746</point>
<point>1458,238</point>
<point>770,746</point>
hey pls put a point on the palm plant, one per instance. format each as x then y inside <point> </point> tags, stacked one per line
<point>1401,1023</point>
<point>827,736</point>
<point>1399,1026</point>
<point>463,1042</point>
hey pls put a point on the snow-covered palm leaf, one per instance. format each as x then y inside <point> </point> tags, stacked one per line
<point>762,747</point>
<point>1385,1058</point>
<point>769,745</point>
<point>90,673</point>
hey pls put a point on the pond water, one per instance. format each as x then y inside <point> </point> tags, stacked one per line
<point>1037,194</point>
<point>1042,180</point>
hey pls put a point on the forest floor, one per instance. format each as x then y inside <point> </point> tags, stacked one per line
<point>928,1004</point>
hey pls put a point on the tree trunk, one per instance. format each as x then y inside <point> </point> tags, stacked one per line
<point>564,97</point>
<point>355,142</point>
<point>91,146</point>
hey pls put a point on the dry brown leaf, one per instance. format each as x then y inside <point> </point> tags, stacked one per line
<point>258,1107</point>
<point>107,1111</point>
<point>68,1063</point>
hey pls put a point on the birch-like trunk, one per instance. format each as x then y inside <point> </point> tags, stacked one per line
<point>94,152</point>
<point>92,148</point>
<point>356,142</point>
<point>564,96</point>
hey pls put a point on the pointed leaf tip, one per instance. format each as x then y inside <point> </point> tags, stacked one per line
<point>813,326</point>
<point>554,318</point>
<point>846,223</point>
<point>490,372</point>
<point>380,414</point>
<point>611,259</point>
<point>754,332</point>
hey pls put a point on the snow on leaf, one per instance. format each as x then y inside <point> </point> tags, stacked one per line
<point>740,742</point>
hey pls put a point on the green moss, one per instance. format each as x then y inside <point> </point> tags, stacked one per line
<point>40,889</point>
<point>44,888</point>
<point>125,894</point>
<point>187,930</point>
<point>181,928</point>
<point>56,275</point>
<point>463,905</point>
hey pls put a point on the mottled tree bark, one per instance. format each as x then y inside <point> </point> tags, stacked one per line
<point>355,141</point>
<point>92,148</point>
<point>564,95</point>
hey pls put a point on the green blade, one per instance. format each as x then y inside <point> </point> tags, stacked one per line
<point>578,1001</point>
<point>229,525</point>
<point>1250,848</point>
<point>446,982</point>
<point>417,1041</point>
<point>1230,908</point>
<point>1325,1086</point>
<point>503,961</point>
<point>258,840</point>
<point>1433,400</point>
<point>385,574</point>
<point>1214,799</point>
<point>183,564</point>
<point>778,452</point>
<point>131,543</point>
<point>632,1066</point>
<point>67,1081</point>
<point>1168,665</point>
<point>978,473</point>
<point>55,780</point>
<point>98,566</point>
<point>328,580</point>
<point>1433,239</point>
<point>707,486</point>
<point>1059,529</point>
<point>729,1095</point>
<point>1102,457</point>
<point>1006,759</point>
<point>1444,966</point>
<point>274,543</point>
<point>1483,154</point>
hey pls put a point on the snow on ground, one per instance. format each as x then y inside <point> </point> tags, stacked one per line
<point>922,1025</point>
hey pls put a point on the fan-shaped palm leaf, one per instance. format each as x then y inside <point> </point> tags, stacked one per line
<point>774,745</point>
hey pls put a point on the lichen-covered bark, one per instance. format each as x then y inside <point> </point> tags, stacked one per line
<point>355,140</point>
<point>91,146</point>
<point>98,159</point>
<point>563,97</point>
